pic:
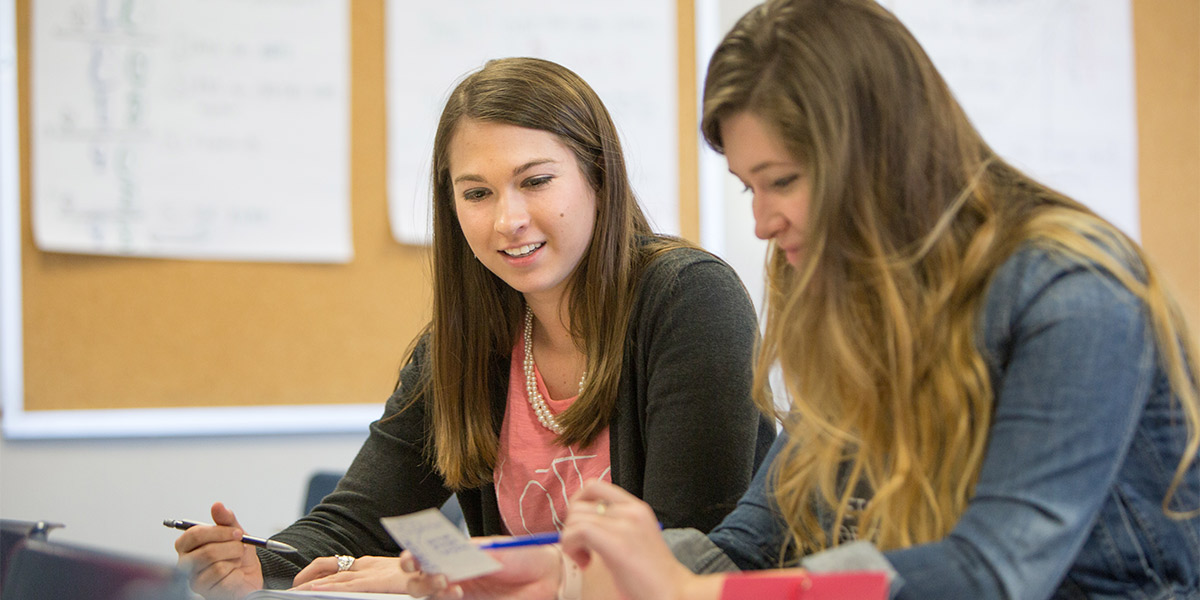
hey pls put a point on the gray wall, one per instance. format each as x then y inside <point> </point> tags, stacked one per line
<point>114,493</point>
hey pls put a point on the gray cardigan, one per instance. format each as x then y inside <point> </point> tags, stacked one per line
<point>685,435</point>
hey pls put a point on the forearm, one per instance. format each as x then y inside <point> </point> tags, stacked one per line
<point>389,476</point>
<point>961,571</point>
<point>703,587</point>
<point>598,582</point>
<point>278,572</point>
<point>324,532</point>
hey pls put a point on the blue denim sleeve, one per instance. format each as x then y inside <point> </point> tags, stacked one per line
<point>1072,363</point>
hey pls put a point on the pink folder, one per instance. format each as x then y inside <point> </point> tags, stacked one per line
<point>801,585</point>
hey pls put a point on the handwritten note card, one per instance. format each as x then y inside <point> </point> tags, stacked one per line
<point>192,129</point>
<point>439,545</point>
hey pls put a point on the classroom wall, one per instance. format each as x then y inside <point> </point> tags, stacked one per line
<point>1167,66</point>
<point>114,493</point>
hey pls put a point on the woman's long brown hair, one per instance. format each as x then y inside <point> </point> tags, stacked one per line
<point>476,316</point>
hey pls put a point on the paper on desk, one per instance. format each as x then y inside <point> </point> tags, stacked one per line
<point>325,595</point>
<point>439,545</point>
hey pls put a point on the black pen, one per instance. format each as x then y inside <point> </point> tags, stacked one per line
<point>183,524</point>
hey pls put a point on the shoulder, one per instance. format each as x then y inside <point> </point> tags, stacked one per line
<point>1035,273</point>
<point>419,356</point>
<point>676,257</point>
<point>1040,287</point>
<point>413,374</point>
<point>685,291</point>
<point>687,265</point>
<point>688,276</point>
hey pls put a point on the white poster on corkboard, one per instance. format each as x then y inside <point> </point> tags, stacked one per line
<point>1048,83</point>
<point>203,129</point>
<point>625,49</point>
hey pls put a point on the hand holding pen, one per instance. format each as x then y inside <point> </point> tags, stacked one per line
<point>277,546</point>
<point>219,562</point>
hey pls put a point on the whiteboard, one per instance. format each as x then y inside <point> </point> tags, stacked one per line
<point>214,129</point>
<point>1050,86</point>
<point>1048,83</point>
<point>625,49</point>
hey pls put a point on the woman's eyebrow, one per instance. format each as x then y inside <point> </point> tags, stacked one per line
<point>533,163</point>
<point>517,171</point>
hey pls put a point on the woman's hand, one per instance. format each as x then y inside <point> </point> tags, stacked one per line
<point>218,564</point>
<point>366,574</point>
<point>526,573</point>
<point>623,531</point>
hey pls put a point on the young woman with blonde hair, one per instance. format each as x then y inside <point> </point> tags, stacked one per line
<point>991,394</point>
<point>569,343</point>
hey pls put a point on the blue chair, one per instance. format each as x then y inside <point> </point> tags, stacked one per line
<point>322,483</point>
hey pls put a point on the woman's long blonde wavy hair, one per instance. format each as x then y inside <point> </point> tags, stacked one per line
<point>911,213</point>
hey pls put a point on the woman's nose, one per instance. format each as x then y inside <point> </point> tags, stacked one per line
<point>511,214</point>
<point>767,222</point>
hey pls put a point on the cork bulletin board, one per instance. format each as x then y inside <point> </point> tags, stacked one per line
<point>132,346</point>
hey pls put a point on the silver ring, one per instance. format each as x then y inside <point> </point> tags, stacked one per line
<point>344,562</point>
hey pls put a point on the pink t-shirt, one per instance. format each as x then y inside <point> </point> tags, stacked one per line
<point>535,477</point>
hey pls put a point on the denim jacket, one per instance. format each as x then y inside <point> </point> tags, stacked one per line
<point>1084,442</point>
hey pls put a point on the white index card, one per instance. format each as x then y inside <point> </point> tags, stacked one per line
<point>439,545</point>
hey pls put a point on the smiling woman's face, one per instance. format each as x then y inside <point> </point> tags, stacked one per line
<point>779,183</point>
<point>524,206</point>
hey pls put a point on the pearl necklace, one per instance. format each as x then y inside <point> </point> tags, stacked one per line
<point>544,416</point>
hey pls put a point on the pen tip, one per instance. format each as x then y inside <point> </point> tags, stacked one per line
<point>281,547</point>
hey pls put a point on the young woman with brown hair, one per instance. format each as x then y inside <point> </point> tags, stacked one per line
<point>569,343</point>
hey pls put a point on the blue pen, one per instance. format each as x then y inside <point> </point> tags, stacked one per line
<point>536,539</point>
